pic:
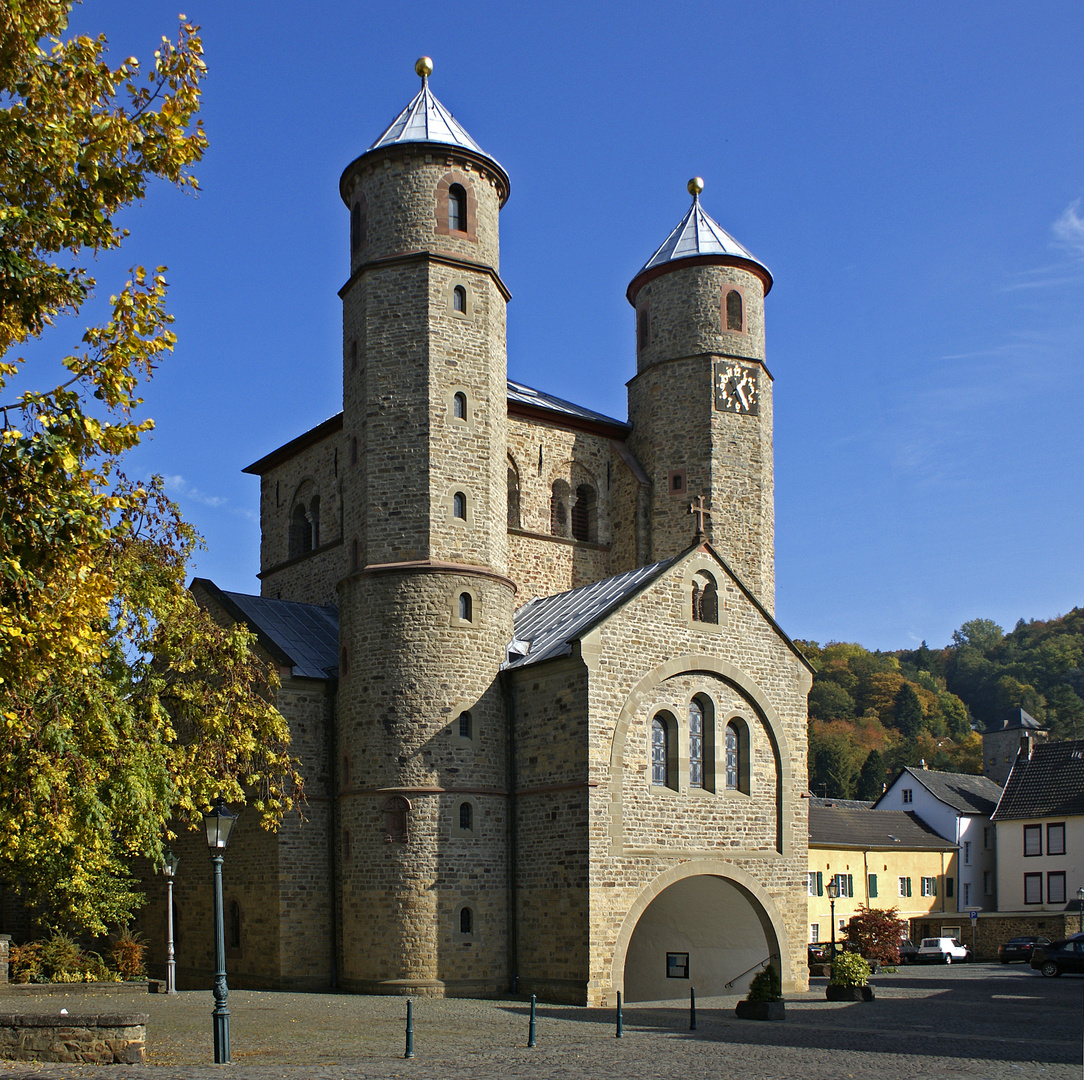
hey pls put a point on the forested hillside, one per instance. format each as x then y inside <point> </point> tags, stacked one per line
<point>871,713</point>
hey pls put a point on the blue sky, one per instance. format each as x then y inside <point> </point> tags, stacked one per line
<point>912,173</point>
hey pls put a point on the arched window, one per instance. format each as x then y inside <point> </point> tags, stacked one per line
<point>705,600</point>
<point>304,523</point>
<point>733,756</point>
<point>457,208</point>
<point>696,744</point>
<point>734,314</point>
<point>466,816</point>
<point>663,763</point>
<point>459,506</point>
<point>466,921</point>
<point>559,501</point>
<point>459,299</point>
<point>396,829</point>
<point>466,607</point>
<point>466,725</point>
<point>459,405</point>
<point>233,935</point>
<point>585,514</point>
<point>514,518</point>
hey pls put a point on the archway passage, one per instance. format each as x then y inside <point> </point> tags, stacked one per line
<point>715,923</point>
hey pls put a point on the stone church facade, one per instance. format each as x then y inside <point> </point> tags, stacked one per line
<point>553,738</point>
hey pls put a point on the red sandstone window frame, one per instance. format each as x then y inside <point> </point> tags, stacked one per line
<point>444,186</point>
<point>724,318</point>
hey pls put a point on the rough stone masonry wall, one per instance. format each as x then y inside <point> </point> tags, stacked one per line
<point>653,635</point>
<point>104,1039</point>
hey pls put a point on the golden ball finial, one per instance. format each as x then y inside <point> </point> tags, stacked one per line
<point>695,186</point>
<point>424,67</point>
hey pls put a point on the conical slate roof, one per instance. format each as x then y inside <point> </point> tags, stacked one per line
<point>698,234</point>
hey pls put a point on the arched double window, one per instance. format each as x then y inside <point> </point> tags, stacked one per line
<point>304,527</point>
<point>705,598</point>
<point>559,507</point>
<point>457,208</point>
<point>585,514</point>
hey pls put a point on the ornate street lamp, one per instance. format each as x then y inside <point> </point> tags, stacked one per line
<point>169,869</point>
<point>832,889</point>
<point>219,822</point>
<point>1080,906</point>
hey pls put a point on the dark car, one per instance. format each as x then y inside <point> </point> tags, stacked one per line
<point>908,951</point>
<point>1019,948</point>
<point>1058,956</point>
<point>818,952</point>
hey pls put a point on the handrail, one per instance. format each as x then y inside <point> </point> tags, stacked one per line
<point>774,956</point>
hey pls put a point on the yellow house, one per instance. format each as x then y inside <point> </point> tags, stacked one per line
<point>880,859</point>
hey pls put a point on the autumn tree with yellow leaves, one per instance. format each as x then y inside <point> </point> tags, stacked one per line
<point>124,708</point>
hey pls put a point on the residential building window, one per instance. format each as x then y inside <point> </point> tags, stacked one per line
<point>908,795</point>
<point>814,932</point>
<point>1055,839</point>
<point>1033,888</point>
<point>457,208</point>
<point>872,886</point>
<point>967,891</point>
<point>459,299</point>
<point>988,883</point>
<point>967,853</point>
<point>662,758</point>
<point>459,405</point>
<point>905,886</point>
<point>733,310</point>
<point>696,744</point>
<point>929,886</point>
<point>811,883</point>
<point>846,884</point>
<point>1033,840</point>
<point>1055,887</point>
<point>950,885</point>
<point>466,921</point>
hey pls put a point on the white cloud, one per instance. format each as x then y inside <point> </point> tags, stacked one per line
<point>1069,228</point>
<point>178,487</point>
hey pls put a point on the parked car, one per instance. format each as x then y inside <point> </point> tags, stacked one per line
<point>943,950</point>
<point>908,951</point>
<point>818,952</point>
<point>1058,956</point>
<point>1019,948</point>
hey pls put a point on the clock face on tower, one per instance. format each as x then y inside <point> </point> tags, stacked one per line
<point>736,388</point>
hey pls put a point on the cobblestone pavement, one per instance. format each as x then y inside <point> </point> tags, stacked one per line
<point>982,1021</point>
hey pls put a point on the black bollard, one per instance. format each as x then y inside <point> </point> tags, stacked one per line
<point>531,1026</point>
<point>620,1024</point>
<point>692,1009</point>
<point>409,1029</point>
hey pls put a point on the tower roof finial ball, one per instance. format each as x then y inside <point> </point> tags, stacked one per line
<point>695,186</point>
<point>424,67</point>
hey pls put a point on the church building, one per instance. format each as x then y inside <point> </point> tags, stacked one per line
<point>554,740</point>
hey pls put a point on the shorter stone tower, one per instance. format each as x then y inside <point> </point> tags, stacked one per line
<point>701,402</point>
<point>426,607</point>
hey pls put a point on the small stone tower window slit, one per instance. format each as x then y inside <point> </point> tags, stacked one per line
<point>466,725</point>
<point>466,607</point>
<point>459,299</point>
<point>459,506</point>
<point>466,921</point>
<point>734,313</point>
<point>466,816</point>
<point>457,208</point>
<point>459,405</point>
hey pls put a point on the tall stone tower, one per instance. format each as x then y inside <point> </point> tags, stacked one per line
<point>426,608</point>
<point>701,401</point>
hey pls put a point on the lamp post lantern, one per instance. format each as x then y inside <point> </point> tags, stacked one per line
<point>1080,906</point>
<point>169,869</point>
<point>219,821</point>
<point>832,888</point>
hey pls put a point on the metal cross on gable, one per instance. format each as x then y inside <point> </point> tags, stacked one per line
<point>701,511</point>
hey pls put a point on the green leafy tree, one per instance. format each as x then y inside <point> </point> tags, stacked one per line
<point>829,701</point>
<point>123,707</point>
<point>982,634</point>
<point>871,779</point>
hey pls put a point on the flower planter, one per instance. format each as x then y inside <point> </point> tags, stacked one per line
<point>760,1010</point>
<point>835,992</point>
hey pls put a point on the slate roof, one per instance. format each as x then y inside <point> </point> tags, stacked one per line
<point>850,827</point>
<point>525,395</point>
<point>963,792</point>
<point>1015,720</point>
<point>304,636</point>
<point>546,627</point>
<point>699,234</point>
<point>1048,784</point>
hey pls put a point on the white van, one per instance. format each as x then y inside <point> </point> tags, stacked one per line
<point>943,950</point>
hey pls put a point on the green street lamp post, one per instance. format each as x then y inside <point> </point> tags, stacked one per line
<point>832,889</point>
<point>219,822</point>
<point>169,869</point>
<point>1080,906</point>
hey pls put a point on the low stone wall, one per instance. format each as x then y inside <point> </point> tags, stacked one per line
<point>994,928</point>
<point>105,1039</point>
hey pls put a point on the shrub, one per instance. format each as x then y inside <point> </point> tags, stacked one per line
<point>128,952</point>
<point>849,969</point>
<point>24,963</point>
<point>765,986</point>
<point>61,958</point>
<point>95,969</point>
<point>877,933</point>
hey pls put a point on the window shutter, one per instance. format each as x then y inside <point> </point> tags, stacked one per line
<point>820,883</point>
<point>872,885</point>
<point>850,884</point>
<point>933,886</point>
<point>908,886</point>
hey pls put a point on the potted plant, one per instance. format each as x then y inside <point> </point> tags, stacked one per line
<point>850,974</point>
<point>764,1000</point>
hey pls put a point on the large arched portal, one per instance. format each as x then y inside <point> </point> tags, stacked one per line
<point>715,923</point>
